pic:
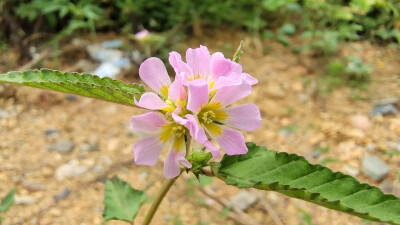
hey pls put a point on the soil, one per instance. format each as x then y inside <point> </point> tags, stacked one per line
<point>297,118</point>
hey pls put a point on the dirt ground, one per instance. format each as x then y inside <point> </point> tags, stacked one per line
<point>297,118</point>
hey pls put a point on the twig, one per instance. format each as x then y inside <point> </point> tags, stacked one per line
<point>240,216</point>
<point>268,208</point>
<point>35,60</point>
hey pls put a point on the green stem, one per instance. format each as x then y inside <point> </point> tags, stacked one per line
<point>164,189</point>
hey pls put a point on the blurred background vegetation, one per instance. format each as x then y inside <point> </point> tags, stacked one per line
<point>327,22</point>
<point>314,27</point>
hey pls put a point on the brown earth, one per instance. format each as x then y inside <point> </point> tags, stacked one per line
<point>288,96</point>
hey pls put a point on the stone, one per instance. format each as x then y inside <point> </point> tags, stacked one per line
<point>63,194</point>
<point>101,54</point>
<point>98,168</point>
<point>243,200</point>
<point>384,110</point>
<point>360,122</point>
<point>24,200</point>
<point>89,147</point>
<point>64,146</point>
<point>370,147</point>
<point>112,43</point>
<point>71,169</point>
<point>71,98</point>
<point>107,69</point>
<point>351,171</point>
<point>52,133</point>
<point>3,114</point>
<point>374,168</point>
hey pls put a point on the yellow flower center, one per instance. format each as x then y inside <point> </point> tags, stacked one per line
<point>208,117</point>
<point>178,130</point>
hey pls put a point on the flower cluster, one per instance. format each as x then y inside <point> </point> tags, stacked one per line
<point>196,104</point>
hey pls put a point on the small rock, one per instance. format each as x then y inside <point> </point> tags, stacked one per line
<point>89,147</point>
<point>384,110</point>
<point>370,147</point>
<point>122,63</point>
<point>112,43</point>
<point>107,69</point>
<point>71,169</point>
<point>71,98</point>
<point>303,98</point>
<point>243,200</point>
<point>65,193</point>
<point>3,114</point>
<point>101,54</point>
<point>98,168</point>
<point>24,200</point>
<point>285,133</point>
<point>351,170</point>
<point>374,168</point>
<point>167,218</point>
<point>360,121</point>
<point>53,133</point>
<point>64,146</point>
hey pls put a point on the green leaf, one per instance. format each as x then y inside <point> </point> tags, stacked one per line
<point>8,200</point>
<point>288,29</point>
<point>74,83</point>
<point>121,201</point>
<point>292,175</point>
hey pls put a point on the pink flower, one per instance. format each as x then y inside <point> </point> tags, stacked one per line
<point>163,131</point>
<point>212,116</point>
<point>217,70</point>
<point>197,103</point>
<point>142,34</point>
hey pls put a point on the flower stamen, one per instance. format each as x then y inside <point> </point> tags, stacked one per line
<point>208,117</point>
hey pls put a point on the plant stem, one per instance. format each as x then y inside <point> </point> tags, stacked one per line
<point>160,196</point>
<point>165,188</point>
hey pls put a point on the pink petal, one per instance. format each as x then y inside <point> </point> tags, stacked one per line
<point>150,101</point>
<point>179,66</point>
<point>221,66</point>
<point>214,150</point>
<point>172,163</point>
<point>179,119</point>
<point>153,72</point>
<point>198,133</point>
<point>249,79</point>
<point>198,95</point>
<point>246,117</point>
<point>177,90</point>
<point>149,122</point>
<point>147,150</point>
<point>225,81</point>
<point>198,60</point>
<point>230,94</point>
<point>232,141</point>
